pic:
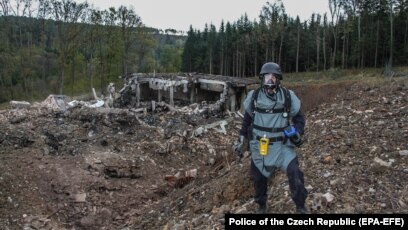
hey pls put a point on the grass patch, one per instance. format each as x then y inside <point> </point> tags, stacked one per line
<point>4,105</point>
<point>333,75</point>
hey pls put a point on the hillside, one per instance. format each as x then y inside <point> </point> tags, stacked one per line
<point>42,56</point>
<point>109,169</point>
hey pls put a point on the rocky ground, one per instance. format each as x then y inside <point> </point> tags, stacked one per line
<point>114,169</point>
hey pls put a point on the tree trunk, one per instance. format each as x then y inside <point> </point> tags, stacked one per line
<point>317,54</point>
<point>359,41</point>
<point>102,74</point>
<point>376,43</point>
<point>91,71</point>
<point>61,89</point>
<point>362,58</point>
<point>273,52</point>
<point>280,49</point>
<point>21,37</point>
<point>227,68</point>
<point>243,65</point>
<point>256,61</point>
<point>297,50</point>
<point>222,62</point>
<point>239,69</point>
<point>237,63</point>
<point>233,64</point>
<point>25,85</point>
<point>346,58</point>
<point>333,62</point>
<point>406,35</point>
<point>266,54</point>
<point>124,61</point>
<point>73,76</point>
<point>324,49</point>
<point>334,7</point>
<point>210,60</point>
<point>344,49</point>
<point>391,34</point>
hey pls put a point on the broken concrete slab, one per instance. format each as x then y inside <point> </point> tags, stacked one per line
<point>224,93</point>
<point>56,102</point>
<point>97,104</point>
<point>19,104</point>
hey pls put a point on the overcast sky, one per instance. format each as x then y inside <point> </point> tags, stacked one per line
<point>180,14</point>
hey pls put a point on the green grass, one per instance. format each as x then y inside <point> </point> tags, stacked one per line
<point>370,76</point>
<point>332,75</point>
<point>4,105</point>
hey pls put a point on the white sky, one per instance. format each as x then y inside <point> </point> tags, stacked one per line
<point>180,14</point>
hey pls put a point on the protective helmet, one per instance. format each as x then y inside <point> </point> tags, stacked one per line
<point>271,67</point>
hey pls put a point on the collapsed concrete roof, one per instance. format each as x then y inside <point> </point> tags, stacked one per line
<point>226,93</point>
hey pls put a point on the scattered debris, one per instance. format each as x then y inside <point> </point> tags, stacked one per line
<point>97,104</point>
<point>181,179</point>
<point>56,102</point>
<point>80,197</point>
<point>381,162</point>
<point>19,104</point>
<point>403,153</point>
<point>159,165</point>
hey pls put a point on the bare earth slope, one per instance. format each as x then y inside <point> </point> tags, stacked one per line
<point>108,169</point>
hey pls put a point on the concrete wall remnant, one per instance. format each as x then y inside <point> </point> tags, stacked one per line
<point>220,92</point>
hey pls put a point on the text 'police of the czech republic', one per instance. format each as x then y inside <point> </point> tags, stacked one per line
<point>290,221</point>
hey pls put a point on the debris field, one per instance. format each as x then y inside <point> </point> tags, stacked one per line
<point>121,168</point>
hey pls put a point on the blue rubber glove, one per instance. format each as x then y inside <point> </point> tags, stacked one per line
<point>293,135</point>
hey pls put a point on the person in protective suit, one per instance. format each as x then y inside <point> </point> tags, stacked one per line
<point>273,125</point>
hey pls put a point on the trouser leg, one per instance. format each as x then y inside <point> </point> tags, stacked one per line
<point>260,185</point>
<point>296,183</point>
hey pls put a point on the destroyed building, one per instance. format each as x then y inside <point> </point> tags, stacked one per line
<point>212,93</point>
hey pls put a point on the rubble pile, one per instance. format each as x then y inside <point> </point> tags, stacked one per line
<point>110,168</point>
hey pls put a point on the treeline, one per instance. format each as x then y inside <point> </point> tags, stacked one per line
<point>65,47</point>
<point>353,34</point>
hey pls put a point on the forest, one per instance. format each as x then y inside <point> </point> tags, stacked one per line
<point>66,47</point>
<point>352,34</point>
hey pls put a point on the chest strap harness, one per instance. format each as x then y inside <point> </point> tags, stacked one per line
<point>285,111</point>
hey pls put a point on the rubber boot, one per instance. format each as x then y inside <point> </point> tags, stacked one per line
<point>302,210</point>
<point>262,209</point>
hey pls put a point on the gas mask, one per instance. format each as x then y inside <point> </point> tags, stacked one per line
<point>270,83</point>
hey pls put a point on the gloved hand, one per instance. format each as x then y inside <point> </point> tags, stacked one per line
<point>238,146</point>
<point>293,135</point>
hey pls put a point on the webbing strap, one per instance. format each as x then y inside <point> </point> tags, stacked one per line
<point>272,139</point>
<point>267,129</point>
<point>259,110</point>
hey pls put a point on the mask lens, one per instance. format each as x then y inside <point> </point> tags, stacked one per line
<point>268,79</point>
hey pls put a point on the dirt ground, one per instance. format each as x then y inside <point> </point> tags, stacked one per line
<point>111,169</point>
